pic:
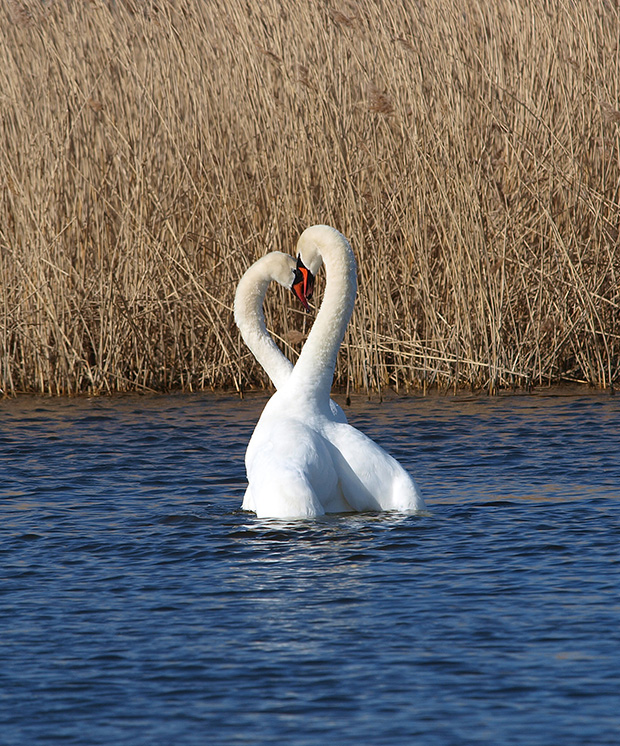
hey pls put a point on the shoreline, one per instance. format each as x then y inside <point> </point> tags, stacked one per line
<point>568,390</point>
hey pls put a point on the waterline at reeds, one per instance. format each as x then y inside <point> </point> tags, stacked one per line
<point>151,151</point>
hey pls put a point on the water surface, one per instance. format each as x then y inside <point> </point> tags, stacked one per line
<point>139,605</point>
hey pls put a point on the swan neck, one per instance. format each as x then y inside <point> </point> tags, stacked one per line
<point>314,371</point>
<point>250,319</point>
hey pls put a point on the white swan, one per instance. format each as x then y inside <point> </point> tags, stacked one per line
<point>250,318</point>
<point>300,462</point>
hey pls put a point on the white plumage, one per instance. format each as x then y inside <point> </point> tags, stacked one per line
<point>301,461</point>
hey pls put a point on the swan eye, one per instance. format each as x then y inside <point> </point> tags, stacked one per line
<point>303,283</point>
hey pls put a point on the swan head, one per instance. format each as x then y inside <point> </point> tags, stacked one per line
<point>303,283</point>
<point>317,244</point>
<point>279,267</point>
<point>310,243</point>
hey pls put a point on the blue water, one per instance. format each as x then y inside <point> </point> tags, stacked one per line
<point>139,605</point>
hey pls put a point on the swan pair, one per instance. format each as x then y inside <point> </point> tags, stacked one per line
<point>303,459</point>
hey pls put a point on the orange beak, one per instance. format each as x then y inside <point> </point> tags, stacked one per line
<point>303,283</point>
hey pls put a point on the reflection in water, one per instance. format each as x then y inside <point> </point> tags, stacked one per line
<point>137,598</point>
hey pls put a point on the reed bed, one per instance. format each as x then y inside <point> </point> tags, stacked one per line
<point>150,151</point>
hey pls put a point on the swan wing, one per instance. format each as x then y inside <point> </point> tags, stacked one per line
<point>370,479</point>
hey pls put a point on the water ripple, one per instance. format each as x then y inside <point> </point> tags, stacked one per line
<point>140,605</point>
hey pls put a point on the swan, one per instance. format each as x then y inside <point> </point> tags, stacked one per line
<point>300,461</point>
<point>250,318</point>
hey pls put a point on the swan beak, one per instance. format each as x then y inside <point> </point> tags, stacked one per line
<point>303,283</point>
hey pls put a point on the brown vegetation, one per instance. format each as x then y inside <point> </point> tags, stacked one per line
<point>150,151</point>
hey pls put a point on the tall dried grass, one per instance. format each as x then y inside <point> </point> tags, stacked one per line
<point>150,151</point>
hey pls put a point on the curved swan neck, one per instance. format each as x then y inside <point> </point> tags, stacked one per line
<point>314,371</point>
<point>250,318</point>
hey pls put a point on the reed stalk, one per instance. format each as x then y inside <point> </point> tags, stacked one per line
<point>150,151</point>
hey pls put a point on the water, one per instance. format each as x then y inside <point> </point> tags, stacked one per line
<point>139,605</point>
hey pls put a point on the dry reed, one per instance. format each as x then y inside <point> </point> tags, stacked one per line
<point>150,151</point>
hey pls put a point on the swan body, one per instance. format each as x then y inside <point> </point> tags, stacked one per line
<point>301,461</point>
<point>250,318</point>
